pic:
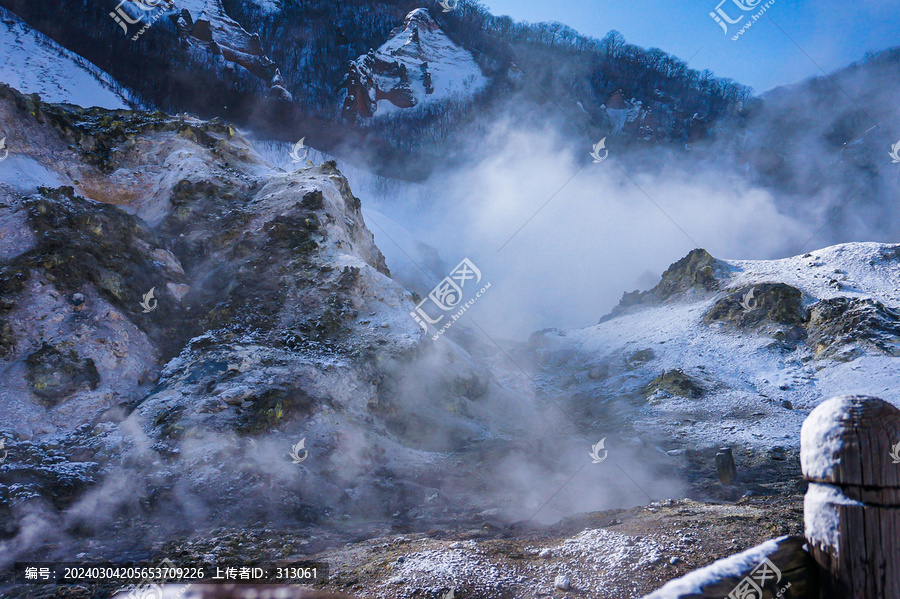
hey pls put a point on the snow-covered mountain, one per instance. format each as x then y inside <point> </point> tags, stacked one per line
<point>33,63</point>
<point>418,65</point>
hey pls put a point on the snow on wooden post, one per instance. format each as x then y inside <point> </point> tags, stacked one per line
<point>852,506</point>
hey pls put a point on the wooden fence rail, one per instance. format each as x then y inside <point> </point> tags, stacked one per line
<point>849,449</point>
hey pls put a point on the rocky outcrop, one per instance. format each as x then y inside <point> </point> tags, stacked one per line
<point>417,65</point>
<point>775,309</point>
<point>775,303</point>
<point>198,313</point>
<point>696,272</point>
<point>674,382</point>
<point>205,23</point>
<point>845,328</point>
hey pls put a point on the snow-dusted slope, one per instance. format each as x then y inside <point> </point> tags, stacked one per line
<point>728,351</point>
<point>33,63</point>
<point>846,270</point>
<point>419,64</point>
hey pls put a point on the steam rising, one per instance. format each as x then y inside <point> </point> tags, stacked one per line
<point>463,429</point>
<point>564,262</point>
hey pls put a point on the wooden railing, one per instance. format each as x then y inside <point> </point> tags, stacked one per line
<point>851,549</point>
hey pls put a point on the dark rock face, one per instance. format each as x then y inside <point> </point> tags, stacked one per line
<point>54,374</point>
<point>675,382</point>
<point>7,338</point>
<point>82,243</point>
<point>363,89</point>
<point>842,327</point>
<point>774,309</point>
<point>838,328</point>
<point>696,271</point>
<point>224,36</point>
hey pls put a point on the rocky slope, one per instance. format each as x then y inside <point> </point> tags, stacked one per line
<point>273,320</point>
<point>206,23</point>
<point>191,338</point>
<point>169,425</point>
<point>735,352</point>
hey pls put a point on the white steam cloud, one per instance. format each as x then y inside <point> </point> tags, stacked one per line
<point>561,238</point>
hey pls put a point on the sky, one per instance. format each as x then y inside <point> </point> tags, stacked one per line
<point>791,41</point>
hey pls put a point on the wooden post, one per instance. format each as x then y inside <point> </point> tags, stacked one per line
<point>852,507</point>
<point>725,466</point>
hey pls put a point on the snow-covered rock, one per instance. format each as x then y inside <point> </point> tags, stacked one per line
<point>273,319</point>
<point>419,64</point>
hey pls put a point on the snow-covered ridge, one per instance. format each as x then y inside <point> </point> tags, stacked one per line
<point>855,270</point>
<point>418,64</point>
<point>737,351</point>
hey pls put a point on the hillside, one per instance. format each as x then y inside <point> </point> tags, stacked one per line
<point>214,350</point>
<point>287,70</point>
<point>33,63</point>
<point>735,352</point>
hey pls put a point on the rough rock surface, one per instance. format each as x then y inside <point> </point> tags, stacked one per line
<point>205,22</point>
<point>273,320</point>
